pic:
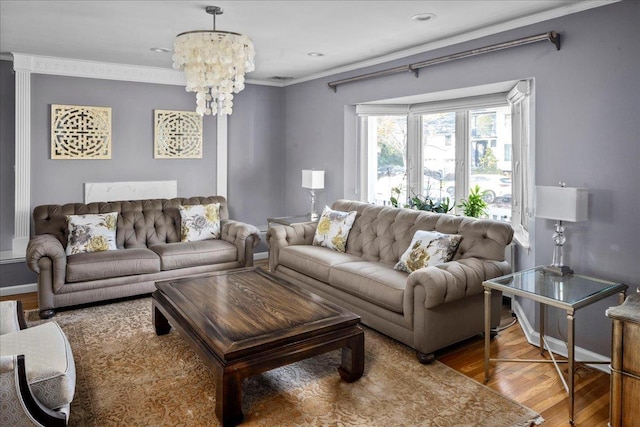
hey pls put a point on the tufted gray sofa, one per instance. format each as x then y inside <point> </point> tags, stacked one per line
<point>428,309</point>
<point>149,249</point>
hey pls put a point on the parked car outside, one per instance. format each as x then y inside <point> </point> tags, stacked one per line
<point>493,187</point>
<point>390,170</point>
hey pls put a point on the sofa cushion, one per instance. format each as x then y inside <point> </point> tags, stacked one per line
<point>375,282</point>
<point>91,233</point>
<point>193,254</point>
<point>428,248</point>
<point>51,372</point>
<point>103,265</point>
<point>333,229</point>
<point>199,222</point>
<point>313,261</point>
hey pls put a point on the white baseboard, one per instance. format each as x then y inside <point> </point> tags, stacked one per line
<point>556,345</point>
<point>10,257</point>
<point>261,255</point>
<point>18,289</point>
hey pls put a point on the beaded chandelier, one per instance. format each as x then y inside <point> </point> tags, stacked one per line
<point>214,63</point>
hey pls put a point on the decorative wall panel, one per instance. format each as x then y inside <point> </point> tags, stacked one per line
<point>80,132</point>
<point>129,190</point>
<point>178,135</point>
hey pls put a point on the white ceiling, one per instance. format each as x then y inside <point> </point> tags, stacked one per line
<point>349,33</point>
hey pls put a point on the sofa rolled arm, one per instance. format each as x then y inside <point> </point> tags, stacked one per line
<point>280,236</point>
<point>47,257</point>
<point>453,280</point>
<point>244,236</point>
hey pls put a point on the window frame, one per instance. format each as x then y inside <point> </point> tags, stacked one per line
<point>519,99</point>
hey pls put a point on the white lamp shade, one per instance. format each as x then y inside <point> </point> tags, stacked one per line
<point>312,179</point>
<point>562,203</point>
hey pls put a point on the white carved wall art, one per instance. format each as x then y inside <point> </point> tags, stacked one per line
<point>79,132</point>
<point>178,135</point>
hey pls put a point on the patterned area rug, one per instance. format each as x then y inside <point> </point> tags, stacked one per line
<point>128,376</point>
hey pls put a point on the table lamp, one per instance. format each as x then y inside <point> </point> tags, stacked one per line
<point>313,180</point>
<point>561,204</point>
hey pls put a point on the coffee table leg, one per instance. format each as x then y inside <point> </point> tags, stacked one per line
<point>160,322</point>
<point>229,397</point>
<point>352,366</point>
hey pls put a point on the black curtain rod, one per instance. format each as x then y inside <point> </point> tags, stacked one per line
<point>551,36</point>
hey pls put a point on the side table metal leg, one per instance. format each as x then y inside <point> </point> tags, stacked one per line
<point>543,313</point>
<point>487,332</point>
<point>571,361</point>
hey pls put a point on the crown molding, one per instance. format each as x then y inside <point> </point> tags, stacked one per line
<point>104,70</point>
<point>95,70</point>
<point>461,38</point>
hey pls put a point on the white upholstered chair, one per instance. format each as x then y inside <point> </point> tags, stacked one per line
<point>37,371</point>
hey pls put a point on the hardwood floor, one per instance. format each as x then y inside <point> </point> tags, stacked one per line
<point>535,385</point>
<point>29,301</point>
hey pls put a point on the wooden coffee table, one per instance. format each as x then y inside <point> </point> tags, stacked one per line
<point>244,322</point>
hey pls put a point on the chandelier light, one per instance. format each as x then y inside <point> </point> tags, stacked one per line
<point>214,63</point>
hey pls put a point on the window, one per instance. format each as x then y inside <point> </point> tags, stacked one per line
<point>388,139</point>
<point>442,149</point>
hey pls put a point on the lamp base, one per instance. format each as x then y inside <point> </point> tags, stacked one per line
<point>313,216</point>
<point>562,270</point>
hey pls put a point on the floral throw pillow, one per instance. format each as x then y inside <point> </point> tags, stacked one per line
<point>91,233</point>
<point>333,229</point>
<point>199,222</point>
<point>428,248</point>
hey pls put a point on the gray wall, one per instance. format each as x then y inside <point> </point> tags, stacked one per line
<point>255,136</point>
<point>256,154</point>
<point>132,118</point>
<point>587,105</point>
<point>254,139</point>
<point>7,153</point>
<point>16,273</point>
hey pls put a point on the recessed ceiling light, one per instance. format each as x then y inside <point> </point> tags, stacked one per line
<point>315,54</point>
<point>160,50</point>
<point>424,17</point>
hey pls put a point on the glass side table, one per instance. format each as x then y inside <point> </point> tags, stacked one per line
<point>569,293</point>
<point>290,220</point>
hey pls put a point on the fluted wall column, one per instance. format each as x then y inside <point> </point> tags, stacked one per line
<point>222,155</point>
<point>22,67</point>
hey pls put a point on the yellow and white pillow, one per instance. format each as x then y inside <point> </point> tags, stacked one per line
<point>333,229</point>
<point>428,248</point>
<point>199,222</point>
<point>91,233</point>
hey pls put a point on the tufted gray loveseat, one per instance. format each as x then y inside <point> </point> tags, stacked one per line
<point>149,249</point>
<point>429,309</point>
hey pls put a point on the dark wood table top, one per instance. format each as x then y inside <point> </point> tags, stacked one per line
<point>244,312</point>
